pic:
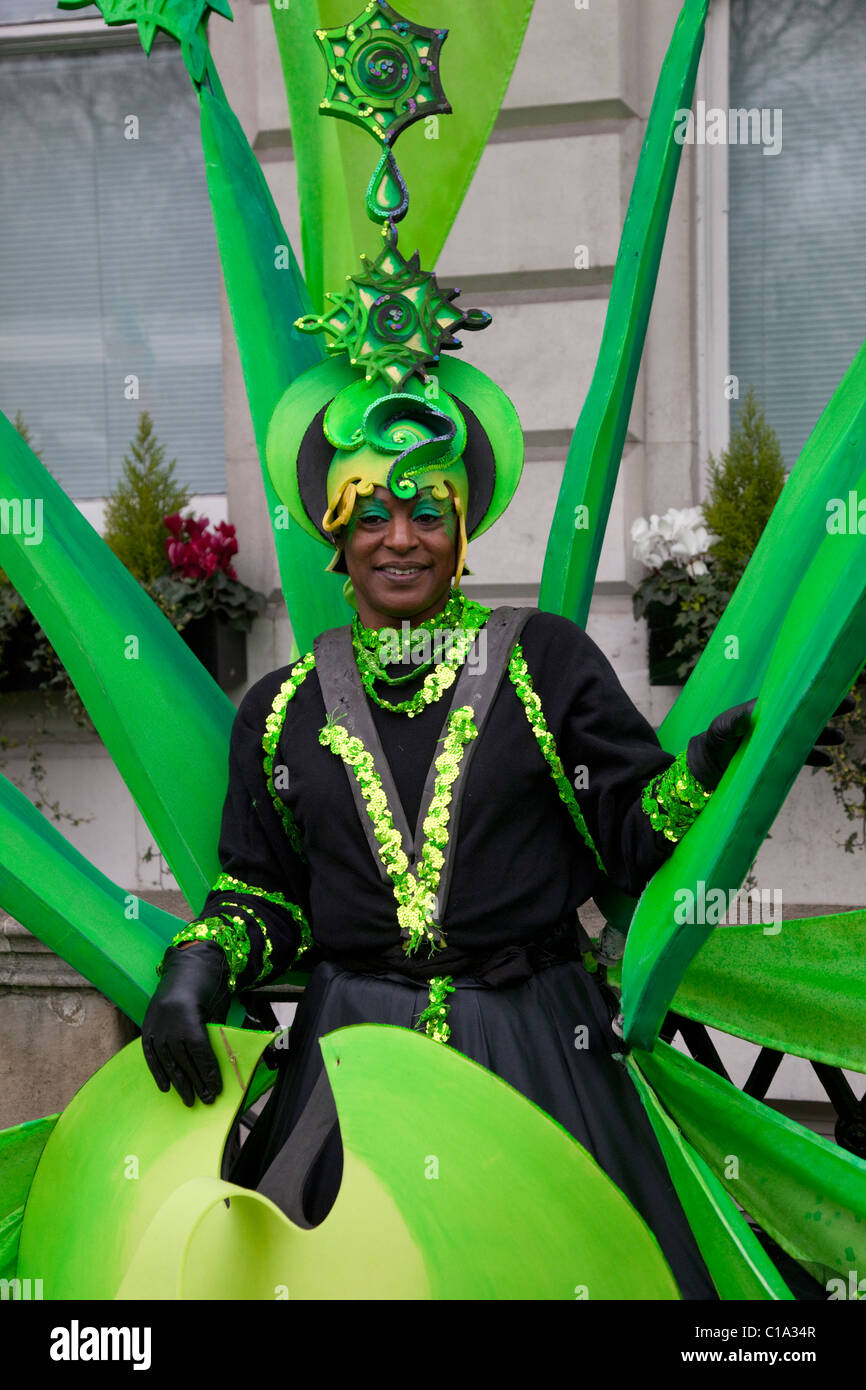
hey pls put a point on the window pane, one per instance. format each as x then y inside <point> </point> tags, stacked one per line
<point>27,11</point>
<point>108,265</point>
<point>797,219</point>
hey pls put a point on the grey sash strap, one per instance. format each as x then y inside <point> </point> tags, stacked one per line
<point>346,701</point>
<point>477,689</point>
<point>284,1180</point>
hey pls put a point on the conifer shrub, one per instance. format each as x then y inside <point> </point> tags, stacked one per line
<point>135,511</point>
<point>745,483</point>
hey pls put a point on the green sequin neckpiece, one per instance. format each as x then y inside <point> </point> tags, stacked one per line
<point>453,630</point>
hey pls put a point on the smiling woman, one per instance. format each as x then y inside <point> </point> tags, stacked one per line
<point>342,841</point>
<point>422,834</point>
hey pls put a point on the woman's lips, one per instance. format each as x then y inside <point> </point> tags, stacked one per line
<point>402,576</point>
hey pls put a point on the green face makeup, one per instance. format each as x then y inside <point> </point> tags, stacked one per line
<point>426,508</point>
<point>370,506</point>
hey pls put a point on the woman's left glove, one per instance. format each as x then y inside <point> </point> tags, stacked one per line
<point>709,754</point>
<point>193,991</point>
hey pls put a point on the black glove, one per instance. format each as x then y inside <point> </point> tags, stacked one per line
<point>193,991</point>
<point>709,754</point>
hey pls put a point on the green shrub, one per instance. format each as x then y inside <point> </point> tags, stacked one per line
<point>135,511</point>
<point>744,486</point>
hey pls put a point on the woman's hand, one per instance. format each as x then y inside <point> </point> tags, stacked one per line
<point>709,754</point>
<point>193,991</point>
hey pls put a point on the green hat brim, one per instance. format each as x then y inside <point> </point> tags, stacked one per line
<point>313,392</point>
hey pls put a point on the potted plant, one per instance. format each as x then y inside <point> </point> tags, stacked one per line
<point>187,568</point>
<point>697,556</point>
<point>203,596</point>
<point>675,549</point>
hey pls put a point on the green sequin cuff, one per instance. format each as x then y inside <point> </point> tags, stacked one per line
<point>674,800</point>
<point>228,881</point>
<point>231,937</point>
<point>237,885</point>
<point>273,729</point>
<point>434,1017</point>
<point>518,672</point>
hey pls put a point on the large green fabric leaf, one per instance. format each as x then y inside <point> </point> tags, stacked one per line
<point>828,467</point>
<point>163,719</point>
<point>335,160</point>
<point>594,457</point>
<point>454,1187</point>
<point>266,294</point>
<point>111,937</point>
<point>806,1192</point>
<point>803,684</point>
<point>738,1264</point>
<point>799,989</point>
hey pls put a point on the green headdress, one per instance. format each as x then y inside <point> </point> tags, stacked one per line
<point>414,421</point>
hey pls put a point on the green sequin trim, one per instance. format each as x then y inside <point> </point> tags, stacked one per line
<point>273,729</point>
<point>415,894</point>
<point>434,1018</point>
<point>227,881</point>
<point>674,800</point>
<point>522,682</point>
<point>230,936</point>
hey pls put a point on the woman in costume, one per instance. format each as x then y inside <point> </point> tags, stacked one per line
<point>508,741</point>
<point>421,804</point>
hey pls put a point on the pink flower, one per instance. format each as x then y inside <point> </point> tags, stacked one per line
<point>197,552</point>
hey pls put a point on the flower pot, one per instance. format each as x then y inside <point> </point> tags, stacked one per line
<point>661,619</point>
<point>221,649</point>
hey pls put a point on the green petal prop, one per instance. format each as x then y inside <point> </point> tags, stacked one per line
<point>797,989</point>
<point>454,1187</point>
<point>806,1192</point>
<point>335,160</point>
<point>735,1258</point>
<point>163,719</point>
<point>573,551</point>
<point>20,1150</point>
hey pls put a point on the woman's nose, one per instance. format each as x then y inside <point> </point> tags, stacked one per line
<point>401,533</point>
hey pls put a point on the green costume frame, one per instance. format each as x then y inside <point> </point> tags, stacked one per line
<point>172,1234</point>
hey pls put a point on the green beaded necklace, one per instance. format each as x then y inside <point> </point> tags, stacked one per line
<point>460,619</point>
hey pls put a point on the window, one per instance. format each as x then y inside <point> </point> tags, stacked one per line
<point>109,276</point>
<point>797,218</point>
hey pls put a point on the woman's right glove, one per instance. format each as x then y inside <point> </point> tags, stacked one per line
<point>193,991</point>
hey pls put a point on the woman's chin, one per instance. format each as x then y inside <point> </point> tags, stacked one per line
<point>404,596</point>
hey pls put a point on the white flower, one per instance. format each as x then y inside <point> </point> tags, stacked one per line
<point>681,535</point>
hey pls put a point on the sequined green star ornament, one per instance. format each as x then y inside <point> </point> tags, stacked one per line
<point>183,20</point>
<point>383,71</point>
<point>393,319</point>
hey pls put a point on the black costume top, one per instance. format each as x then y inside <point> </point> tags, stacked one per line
<point>520,868</point>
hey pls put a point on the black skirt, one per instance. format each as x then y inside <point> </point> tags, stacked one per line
<point>549,1037</point>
